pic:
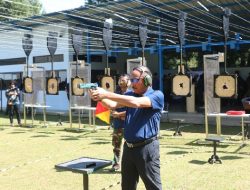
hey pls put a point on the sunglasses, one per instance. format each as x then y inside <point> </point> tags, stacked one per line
<point>135,80</point>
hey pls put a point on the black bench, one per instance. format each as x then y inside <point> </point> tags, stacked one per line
<point>85,166</point>
<point>177,129</point>
<point>214,158</point>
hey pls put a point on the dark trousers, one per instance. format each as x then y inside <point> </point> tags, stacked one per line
<point>12,109</point>
<point>144,162</point>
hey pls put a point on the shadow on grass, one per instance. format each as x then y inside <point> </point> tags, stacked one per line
<point>230,157</point>
<point>67,137</point>
<point>107,171</point>
<point>101,142</point>
<point>17,132</point>
<point>196,142</point>
<point>30,126</point>
<point>241,147</point>
<point>70,139</point>
<point>85,135</point>
<point>75,130</point>
<point>37,136</point>
<point>197,162</point>
<point>178,152</point>
<point>49,133</point>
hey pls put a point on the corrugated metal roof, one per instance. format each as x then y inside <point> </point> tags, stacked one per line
<point>162,15</point>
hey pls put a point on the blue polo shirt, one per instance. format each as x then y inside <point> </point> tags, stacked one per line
<point>118,123</point>
<point>143,123</point>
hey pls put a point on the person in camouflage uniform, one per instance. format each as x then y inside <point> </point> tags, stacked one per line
<point>118,122</point>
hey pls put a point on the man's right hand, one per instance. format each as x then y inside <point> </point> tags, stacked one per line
<point>98,94</point>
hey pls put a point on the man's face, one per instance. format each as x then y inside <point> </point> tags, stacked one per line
<point>12,85</point>
<point>123,82</point>
<point>137,82</point>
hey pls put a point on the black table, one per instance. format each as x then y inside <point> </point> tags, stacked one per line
<point>214,158</point>
<point>84,166</point>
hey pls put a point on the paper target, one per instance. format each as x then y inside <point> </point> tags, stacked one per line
<point>75,83</point>
<point>108,84</point>
<point>225,86</point>
<point>181,85</point>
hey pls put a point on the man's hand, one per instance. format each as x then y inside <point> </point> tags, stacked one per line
<point>119,115</point>
<point>98,94</point>
<point>115,114</point>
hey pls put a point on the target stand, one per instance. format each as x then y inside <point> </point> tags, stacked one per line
<point>79,98</point>
<point>212,104</point>
<point>37,98</point>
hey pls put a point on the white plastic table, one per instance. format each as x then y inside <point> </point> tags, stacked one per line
<point>32,106</point>
<point>218,121</point>
<point>91,114</point>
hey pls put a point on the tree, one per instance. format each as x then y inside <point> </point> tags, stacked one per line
<point>19,9</point>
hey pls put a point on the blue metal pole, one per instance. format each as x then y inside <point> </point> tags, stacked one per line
<point>88,50</point>
<point>160,58</point>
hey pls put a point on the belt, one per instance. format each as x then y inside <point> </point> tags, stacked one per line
<point>138,144</point>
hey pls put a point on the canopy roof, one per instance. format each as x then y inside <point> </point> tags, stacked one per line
<point>203,23</point>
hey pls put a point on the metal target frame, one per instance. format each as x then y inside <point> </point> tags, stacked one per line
<point>211,103</point>
<point>27,44</point>
<point>181,82</point>
<point>225,84</point>
<point>52,82</point>
<point>36,99</point>
<point>79,102</point>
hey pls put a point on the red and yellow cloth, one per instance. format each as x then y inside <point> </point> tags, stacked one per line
<point>102,113</point>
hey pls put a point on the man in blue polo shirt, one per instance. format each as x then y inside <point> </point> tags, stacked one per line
<point>141,157</point>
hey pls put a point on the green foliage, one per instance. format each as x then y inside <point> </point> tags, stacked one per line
<point>19,8</point>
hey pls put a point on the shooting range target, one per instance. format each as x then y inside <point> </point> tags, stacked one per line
<point>28,84</point>
<point>52,82</point>
<point>52,86</point>
<point>181,85</point>
<point>225,86</point>
<point>108,84</point>
<point>75,83</point>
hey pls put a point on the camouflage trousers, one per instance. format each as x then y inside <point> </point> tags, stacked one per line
<point>117,137</point>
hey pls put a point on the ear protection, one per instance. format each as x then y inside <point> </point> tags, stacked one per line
<point>146,75</point>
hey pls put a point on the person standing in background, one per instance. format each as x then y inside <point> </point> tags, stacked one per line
<point>13,95</point>
<point>118,122</point>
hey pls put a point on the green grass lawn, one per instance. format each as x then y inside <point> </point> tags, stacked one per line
<point>28,157</point>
